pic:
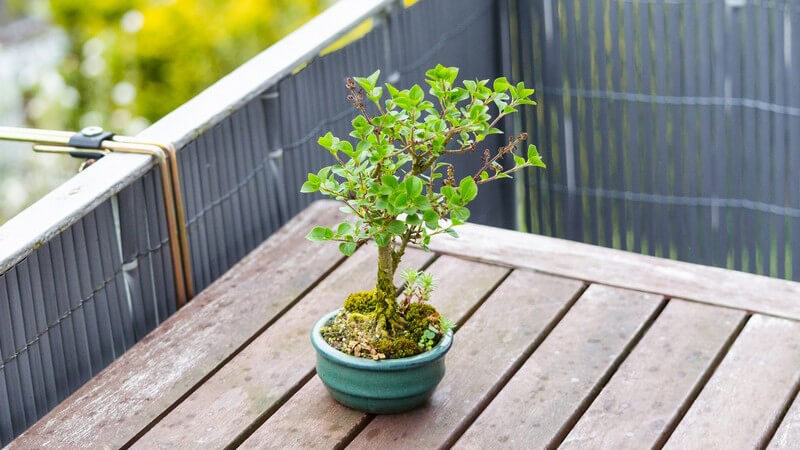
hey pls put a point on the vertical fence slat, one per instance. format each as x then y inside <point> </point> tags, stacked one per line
<point>198,230</point>
<point>675,233</point>
<point>42,330</point>
<point>586,127</point>
<point>749,149</point>
<point>98,287</point>
<point>86,301</point>
<point>60,343</point>
<point>6,426</point>
<point>32,344</point>
<point>605,153</point>
<point>790,184</point>
<point>692,146</point>
<point>617,180</point>
<point>661,154</point>
<point>11,363</point>
<point>575,227</point>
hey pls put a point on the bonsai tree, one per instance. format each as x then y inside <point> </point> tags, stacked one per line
<point>391,177</point>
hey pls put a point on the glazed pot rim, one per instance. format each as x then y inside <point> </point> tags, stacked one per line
<point>342,358</point>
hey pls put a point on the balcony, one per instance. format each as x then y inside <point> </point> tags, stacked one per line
<point>674,144</point>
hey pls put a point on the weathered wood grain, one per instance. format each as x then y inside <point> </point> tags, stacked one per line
<point>535,408</point>
<point>624,269</point>
<point>282,358</point>
<point>133,391</point>
<point>491,345</point>
<point>655,384</point>
<point>312,419</point>
<point>741,403</point>
<point>787,437</point>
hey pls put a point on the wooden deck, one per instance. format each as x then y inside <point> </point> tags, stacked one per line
<point>558,344</point>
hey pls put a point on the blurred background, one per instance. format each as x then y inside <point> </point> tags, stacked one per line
<point>60,59</point>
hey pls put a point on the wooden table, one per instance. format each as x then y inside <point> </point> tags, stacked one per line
<point>558,343</point>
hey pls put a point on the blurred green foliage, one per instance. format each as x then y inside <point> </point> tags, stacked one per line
<point>130,62</point>
<point>123,65</point>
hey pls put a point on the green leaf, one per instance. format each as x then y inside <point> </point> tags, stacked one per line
<point>320,234</point>
<point>468,189</point>
<point>309,187</point>
<point>373,79</point>
<point>389,180</point>
<point>422,202</point>
<point>415,94</point>
<point>400,201</point>
<point>326,141</point>
<point>392,90</point>
<point>450,194</point>
<point>382,239</point>
<point>501,85</point>
<point>312,185</point>
<point>459,214</point>
<point>519,160</point>
<point>430,215</point>
<point>344,228</point>
<point>434,73</point>
<point>396,227</point>
<point>363,146</point>
<point>368,83</point>
<point>413,187</point>
<point>413,220</point>
<point>450,74</point>
<point>376,94</point>
<point>347,248</point>
<point>484,175</point>
<point>534,158</point>
<point>451,232</point>
<point>360,123</point>
<point>346,148</point>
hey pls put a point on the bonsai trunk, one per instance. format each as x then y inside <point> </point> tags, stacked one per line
<point>385,293</point>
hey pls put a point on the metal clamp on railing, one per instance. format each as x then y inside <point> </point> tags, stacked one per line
<point>94,143</point>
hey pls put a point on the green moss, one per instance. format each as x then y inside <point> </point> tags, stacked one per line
<point>356,329</point>
<point>400,347</point>
<point>363,302</point>
<point>420,316</point>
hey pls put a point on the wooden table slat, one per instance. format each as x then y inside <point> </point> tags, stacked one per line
<point>312,419</point>
<point>133,391</point>
<point>787,437</point>
<point>596,264</point>
<point>656,382</point>
<point>491,346</point>
<point>246,389</point>
<point>564,374</point>
<point>740,404</point>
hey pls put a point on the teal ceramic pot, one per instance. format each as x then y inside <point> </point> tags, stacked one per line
<point>381,387</point>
